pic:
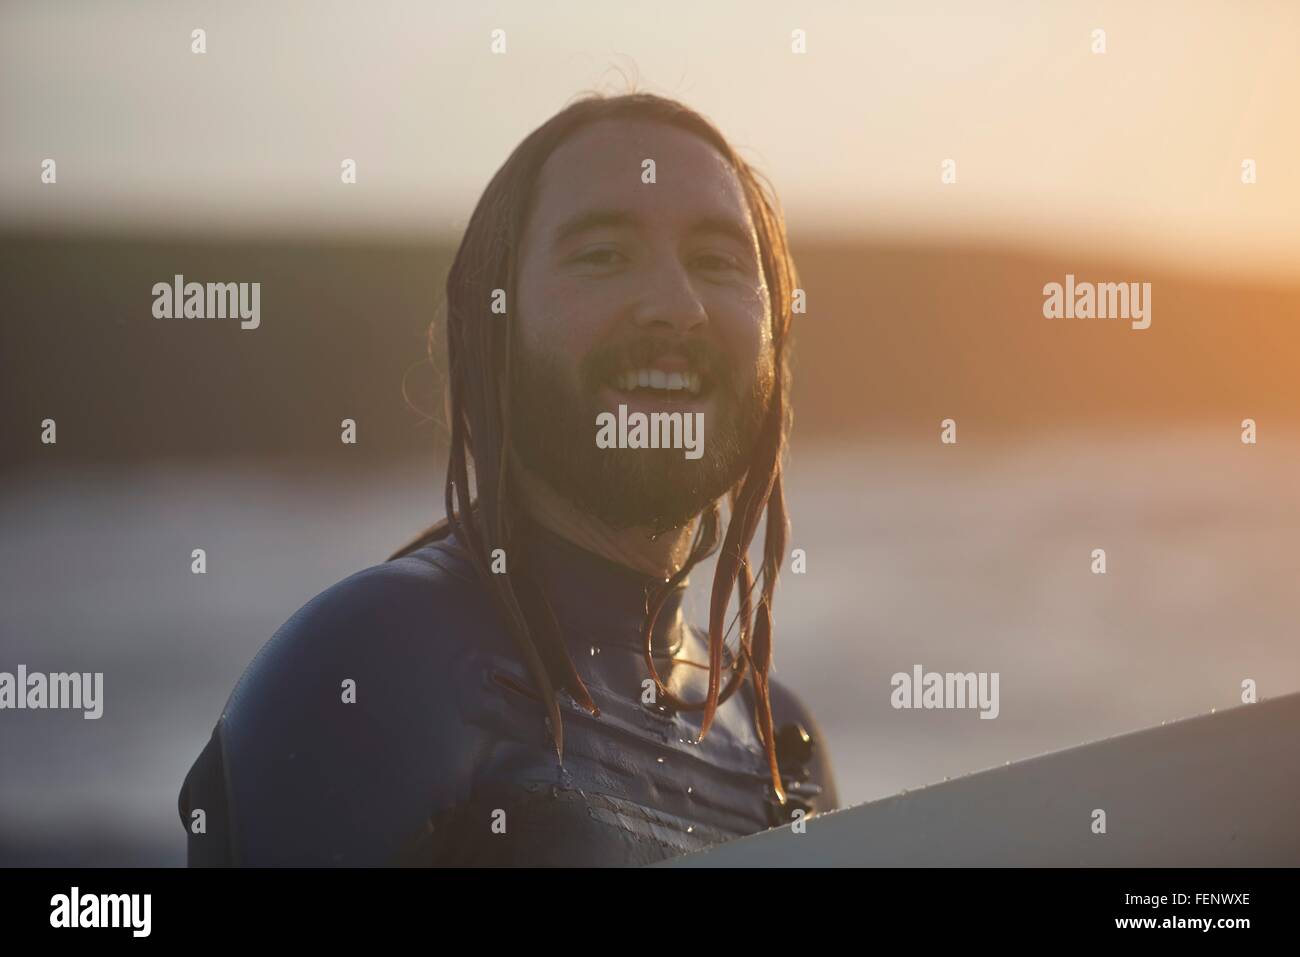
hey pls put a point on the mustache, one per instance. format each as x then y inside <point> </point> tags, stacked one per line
<point>604,362</point>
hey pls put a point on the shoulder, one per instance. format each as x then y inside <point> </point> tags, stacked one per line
<point>397,623</point>
<point>342,732</point>
<point>390,597</point>
<point>802,749</point>
<point>412,603</point>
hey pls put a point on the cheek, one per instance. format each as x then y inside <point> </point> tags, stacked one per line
<point>743,322</point>
<point>564,315</point>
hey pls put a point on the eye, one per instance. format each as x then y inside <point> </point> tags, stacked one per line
<point>714,261</point>
<point>605,256</point>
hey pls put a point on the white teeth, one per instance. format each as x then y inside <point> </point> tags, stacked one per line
<point>656,379</point>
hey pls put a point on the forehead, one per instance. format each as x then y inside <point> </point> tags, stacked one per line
<point>601,166</point>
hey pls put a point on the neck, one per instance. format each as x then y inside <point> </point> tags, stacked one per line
<point>637,548</point>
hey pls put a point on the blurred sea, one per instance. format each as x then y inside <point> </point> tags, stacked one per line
<point>958,558</point>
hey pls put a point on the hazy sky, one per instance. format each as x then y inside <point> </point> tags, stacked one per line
<point>1138,149</point>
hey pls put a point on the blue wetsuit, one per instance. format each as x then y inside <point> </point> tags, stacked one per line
<point>444,757</point>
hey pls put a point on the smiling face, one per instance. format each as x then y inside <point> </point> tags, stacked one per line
<point>649,295</point>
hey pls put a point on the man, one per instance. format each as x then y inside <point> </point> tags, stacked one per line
<point>518,685</point>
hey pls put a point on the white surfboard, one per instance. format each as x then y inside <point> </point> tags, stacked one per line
<point>1216,790</point>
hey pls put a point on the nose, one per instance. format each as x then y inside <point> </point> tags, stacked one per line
<point>669,302</point>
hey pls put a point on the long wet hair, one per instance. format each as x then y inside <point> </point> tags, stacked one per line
<point>485,516</point>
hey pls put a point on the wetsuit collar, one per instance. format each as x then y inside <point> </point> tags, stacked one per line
<point>599,602</point>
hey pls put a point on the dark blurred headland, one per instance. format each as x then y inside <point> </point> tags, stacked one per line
<point>897,336</point>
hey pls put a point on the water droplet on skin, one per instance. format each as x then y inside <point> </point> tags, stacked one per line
<point>1212,710</point>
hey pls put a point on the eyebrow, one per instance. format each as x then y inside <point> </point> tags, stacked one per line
<point>597,218</point>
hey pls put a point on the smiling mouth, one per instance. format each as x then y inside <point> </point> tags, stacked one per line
<point>660,384</point>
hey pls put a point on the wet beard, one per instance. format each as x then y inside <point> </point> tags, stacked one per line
<point>554,435</point>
